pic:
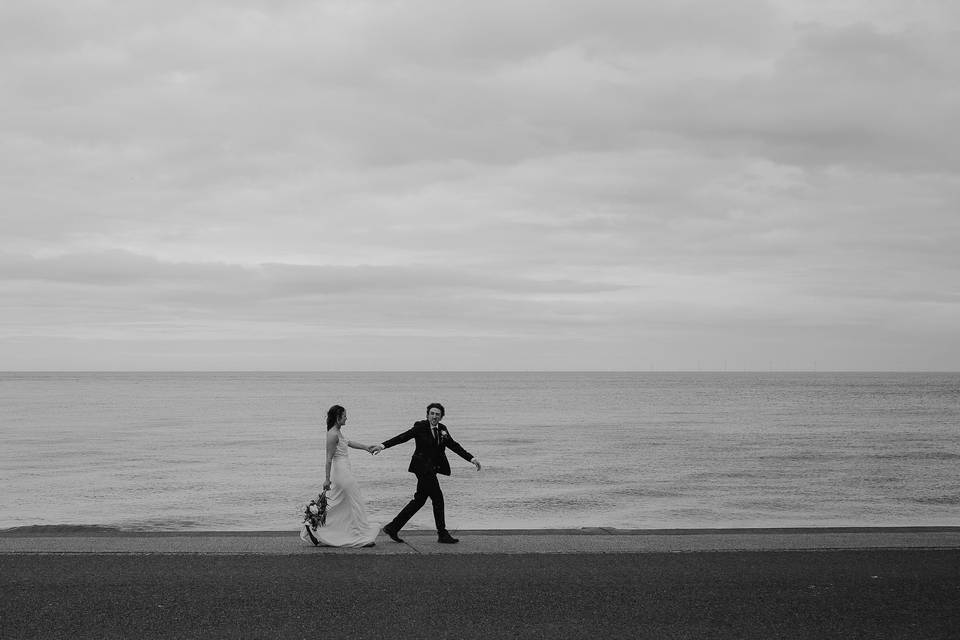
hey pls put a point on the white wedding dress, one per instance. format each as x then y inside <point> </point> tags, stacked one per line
<point>347,524</point>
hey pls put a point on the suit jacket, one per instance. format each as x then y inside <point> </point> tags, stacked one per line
<point>429,455</point>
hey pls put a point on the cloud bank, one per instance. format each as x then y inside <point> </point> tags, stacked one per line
<point>464,185</point>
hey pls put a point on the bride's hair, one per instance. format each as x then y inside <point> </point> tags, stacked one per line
<point>333,414</point>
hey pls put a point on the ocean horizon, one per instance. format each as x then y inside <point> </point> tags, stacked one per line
<point>218,450</point>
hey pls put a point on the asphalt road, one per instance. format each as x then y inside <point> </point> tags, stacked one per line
<point>892,593</point>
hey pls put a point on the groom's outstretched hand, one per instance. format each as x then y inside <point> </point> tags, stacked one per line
<point>375,448</point>
<point>476,463</point>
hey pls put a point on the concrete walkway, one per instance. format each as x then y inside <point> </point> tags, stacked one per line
<point>788,584</point>
<point>552,541</point>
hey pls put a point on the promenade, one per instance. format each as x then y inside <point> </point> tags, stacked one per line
<point>592,540</point>
<point>580,583</point>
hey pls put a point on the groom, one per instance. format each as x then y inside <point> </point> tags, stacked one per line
<point>429,459</point>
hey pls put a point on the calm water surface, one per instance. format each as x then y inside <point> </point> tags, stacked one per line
<point>243,451</point>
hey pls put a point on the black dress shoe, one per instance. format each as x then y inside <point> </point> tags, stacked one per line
<point>446,538</point>
<point>390,531</point>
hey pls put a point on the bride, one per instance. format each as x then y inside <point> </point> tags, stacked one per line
<point>346,524</point>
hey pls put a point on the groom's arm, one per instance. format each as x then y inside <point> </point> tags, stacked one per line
<point>454,446</point>
<point>400,439</point>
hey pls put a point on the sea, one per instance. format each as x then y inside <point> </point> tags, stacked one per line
<point>232,451</point>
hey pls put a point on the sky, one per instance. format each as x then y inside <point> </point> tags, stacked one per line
<point>444,185</point>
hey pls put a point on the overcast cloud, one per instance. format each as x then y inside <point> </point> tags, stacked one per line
<point>480,185</point>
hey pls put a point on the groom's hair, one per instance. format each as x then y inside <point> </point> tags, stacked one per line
<point>436,405</point>
<point>333,414</point>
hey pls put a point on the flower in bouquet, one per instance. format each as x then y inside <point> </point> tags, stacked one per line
<point>315,513</point>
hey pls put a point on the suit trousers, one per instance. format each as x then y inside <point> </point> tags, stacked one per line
<point>428,486</point>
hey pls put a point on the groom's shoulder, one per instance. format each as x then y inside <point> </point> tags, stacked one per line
<point>420,423</point>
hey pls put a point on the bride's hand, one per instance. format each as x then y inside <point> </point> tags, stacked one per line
<point>326,485</point>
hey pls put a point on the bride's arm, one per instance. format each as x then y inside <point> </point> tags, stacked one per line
<point>332,438</point>
<point>357,445</point>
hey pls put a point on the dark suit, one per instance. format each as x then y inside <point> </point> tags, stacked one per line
<point>429,458</point>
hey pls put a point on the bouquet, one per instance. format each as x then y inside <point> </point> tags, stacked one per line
<point>315,513</point>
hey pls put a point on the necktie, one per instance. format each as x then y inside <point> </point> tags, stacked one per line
<point>436,435</point>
